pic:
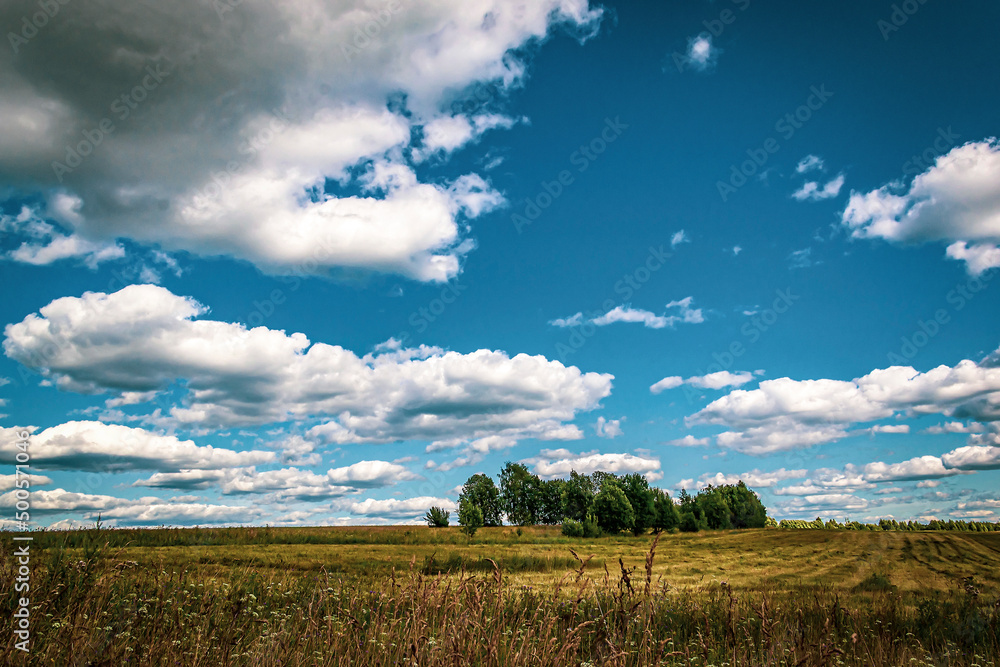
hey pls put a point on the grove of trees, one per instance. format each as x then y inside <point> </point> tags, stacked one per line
<point>602,502</point>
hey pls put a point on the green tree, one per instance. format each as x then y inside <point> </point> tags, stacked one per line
<point>577,496</point>
<point>470,517</point>
<point>692,517</point>
<point>640,497</point>
<point>666,516</point>
<point>714,507</point>
<point>520,493</point>
<point>483,493</point>
<point>613,510</point>
<point>437,517</point>
<point>745,508</point>
<point>550,502</point>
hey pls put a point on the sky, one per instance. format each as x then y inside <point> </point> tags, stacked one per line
<point>319,262</point>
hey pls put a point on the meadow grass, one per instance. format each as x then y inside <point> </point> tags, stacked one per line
<point>421,596</point>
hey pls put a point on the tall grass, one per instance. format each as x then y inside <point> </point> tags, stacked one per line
<point>92,607</point>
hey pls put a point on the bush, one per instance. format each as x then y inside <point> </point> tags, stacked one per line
<point>591,528</point>
<point>437,517</point>
<point>572,528</point>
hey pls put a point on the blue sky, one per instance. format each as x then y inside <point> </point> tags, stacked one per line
<point>321,263</point>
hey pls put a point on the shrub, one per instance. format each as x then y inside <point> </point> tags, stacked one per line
<point>572,528</point>
<point>437,517</point>
<point>591,528</point>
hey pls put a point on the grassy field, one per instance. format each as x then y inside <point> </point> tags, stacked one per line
<point>421,596</point>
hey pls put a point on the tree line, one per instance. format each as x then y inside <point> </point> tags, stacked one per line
<point>599,503</point>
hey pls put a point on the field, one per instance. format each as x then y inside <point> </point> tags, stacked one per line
<point>421,596</point>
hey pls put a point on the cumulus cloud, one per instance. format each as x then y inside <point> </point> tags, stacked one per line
<point>753,478</point>
<point>956,201</point>
<point>88,445</point>
<point>684,314</point>
<point>242,170</point>
<point>717,380</point>
<point>144,338</point>
<point>787,414</point>
<point>396,508</point>
<point>43,243</point>
<point>608,428</point>
<point>813,191</point>
<point>7,481</point>
<point>287,482</point>
<point>550,464</point>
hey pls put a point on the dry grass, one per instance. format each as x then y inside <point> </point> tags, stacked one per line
<point>764,597</point>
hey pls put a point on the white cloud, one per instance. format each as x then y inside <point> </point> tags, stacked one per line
<point>717,380</point>
<point>449,133</point>
<point>87,445</point>
<point>247,179</point>
<point>396,508</point>
<point>679,238</point>
<point>627,314</point>
<point>701,54</point>
<point>689,441</point>
<point>143,338</point>
<point>838,504</point>
<point>812,191</point>
<point>754,478</point>
<point>550,464</point>
<point>973,457</point>
<point>52,501</point>
<point>890,428</point>
<point>956,201</point>
<point>666,383</point>
<point>44,244</point>
<point>786,414</point>
<point>921,467</point>
<point>608,428</point>
<point>809,163</point>
<point>7,481</point>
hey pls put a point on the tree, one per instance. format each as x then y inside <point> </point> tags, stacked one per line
<point>745,508</point>
<point>665,515</point>
<point>437,517</point>
<point>470,517</point>
<point>611,505</point>
<point>714,507</point>
<point>692,517</point>
<point>640,497</point>
<point>550,502</point>
<point>519,494</point>
<point>577,496</point>
<point>482,492</point>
